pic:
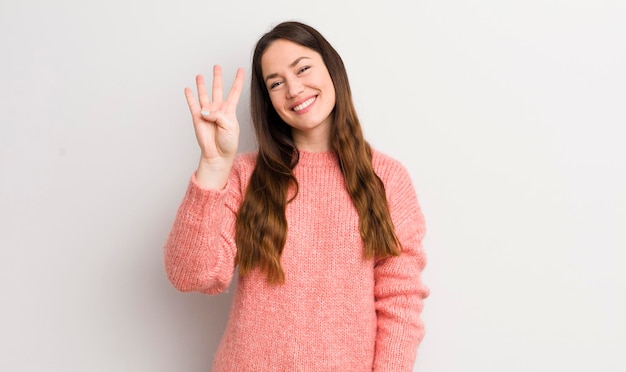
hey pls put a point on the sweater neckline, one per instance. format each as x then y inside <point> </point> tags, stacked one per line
<point>312,159</point>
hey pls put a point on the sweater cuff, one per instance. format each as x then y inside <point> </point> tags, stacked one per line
<point>200,199</point>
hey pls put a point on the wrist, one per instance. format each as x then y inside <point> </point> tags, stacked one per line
<point>213,174</point>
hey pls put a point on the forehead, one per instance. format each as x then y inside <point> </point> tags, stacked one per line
<point>282,53</point>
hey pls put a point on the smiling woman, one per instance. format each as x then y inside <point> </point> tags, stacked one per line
<point>301,91</point>
<point>325,231</point>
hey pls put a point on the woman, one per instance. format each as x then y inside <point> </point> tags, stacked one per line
<point>325,231</point>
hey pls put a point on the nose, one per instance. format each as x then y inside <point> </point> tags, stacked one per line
<point>294,87</point>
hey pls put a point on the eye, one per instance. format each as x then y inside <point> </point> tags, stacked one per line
<point>275,84</point>
<point>303,69</point>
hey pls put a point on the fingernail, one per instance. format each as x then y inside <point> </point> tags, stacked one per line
<point>205,113</point>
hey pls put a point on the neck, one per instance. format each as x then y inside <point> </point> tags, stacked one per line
<point>313,141</point>
<point>312,146</point>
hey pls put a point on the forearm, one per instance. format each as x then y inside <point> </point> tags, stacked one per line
<point>400,296</point>
<point>199,256</point>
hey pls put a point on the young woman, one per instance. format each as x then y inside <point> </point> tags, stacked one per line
<point>324,231</point>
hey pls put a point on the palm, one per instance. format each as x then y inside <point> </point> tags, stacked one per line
<point>217,133</point>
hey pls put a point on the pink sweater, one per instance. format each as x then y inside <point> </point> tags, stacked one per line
<point>335,311</point>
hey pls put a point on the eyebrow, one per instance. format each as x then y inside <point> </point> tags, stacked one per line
<point>293,64</point>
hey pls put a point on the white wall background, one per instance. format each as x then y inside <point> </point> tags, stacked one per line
<point>510,116</point>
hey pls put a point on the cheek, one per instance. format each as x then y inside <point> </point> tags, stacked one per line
<point>279,107</point>
<point>276,102</point>
<point>331,93</point>
<point>330,87</point>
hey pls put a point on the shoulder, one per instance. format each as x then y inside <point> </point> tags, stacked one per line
<point>394,175</point>
<point>241,171</point>
<point>401,194</point>
<point>246,159</point>
<point>387,167</point>
<point>244,162</point>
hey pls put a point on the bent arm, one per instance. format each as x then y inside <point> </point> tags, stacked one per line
<point>200,250</point>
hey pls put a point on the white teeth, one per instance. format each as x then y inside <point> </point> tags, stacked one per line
<point>304,104</point>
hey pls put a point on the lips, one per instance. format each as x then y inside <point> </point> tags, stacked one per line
<point>304,104</point>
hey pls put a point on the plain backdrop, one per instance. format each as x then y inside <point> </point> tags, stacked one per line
<point>509,115</point>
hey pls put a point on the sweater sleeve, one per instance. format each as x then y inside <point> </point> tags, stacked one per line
<point>200,250</point>
<point>399,291</point>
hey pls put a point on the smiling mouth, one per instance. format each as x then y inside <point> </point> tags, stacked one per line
<point>304,104</point>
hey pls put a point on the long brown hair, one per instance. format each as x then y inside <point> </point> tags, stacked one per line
<point>261,227</point>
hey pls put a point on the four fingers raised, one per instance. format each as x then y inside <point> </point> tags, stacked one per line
<point>204,105</point>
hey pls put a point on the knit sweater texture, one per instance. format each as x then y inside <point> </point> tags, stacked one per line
<point>336,310</point>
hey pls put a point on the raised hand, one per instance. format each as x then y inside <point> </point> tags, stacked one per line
<point>216,127</point>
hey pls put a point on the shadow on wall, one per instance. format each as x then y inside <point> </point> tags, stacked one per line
<point>196,325</point>
<point>117,307</point>
<point>147,322</point>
